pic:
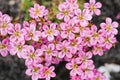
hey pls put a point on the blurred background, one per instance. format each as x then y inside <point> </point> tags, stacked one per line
<point>13,68</point>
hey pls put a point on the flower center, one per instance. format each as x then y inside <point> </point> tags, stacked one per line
<point>49,31</point>
<point>35,69</point>
<point>19,47</point>
<point>73,43</point>
<point>75,66</point>
<point>87,39</point>
<point>81,17</point>
<point>108,27</point>
<point>64,49</point>
<point>95,35</point>
<point>86,70</point>
<point>92,7</point>
<point>81,28</point>
<point>32,55</point>
<point>84,59</point>
<point>37,11</point>
<point>17,33</point>
<point>4,25</point>
<point>66,12</point>
<point>3,46</point>
<point>99,48</point>
<point>107,40</point>
<point>31,34</point>
<point>48,51</point>
<point>69,30</point>
<point>47,72</point>
<point>97,78</point>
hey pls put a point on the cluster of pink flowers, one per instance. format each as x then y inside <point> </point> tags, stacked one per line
<point>42,43</point>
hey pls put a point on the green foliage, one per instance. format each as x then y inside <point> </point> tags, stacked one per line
<point>52,5</point>
<point>24,6</point>
<point>81,3</point>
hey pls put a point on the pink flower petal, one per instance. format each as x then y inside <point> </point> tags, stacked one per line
<point>98,5</point>
<point>66,18</point>
<point>44,35</point>
<point>60,16</point>
<point>4,53</point>
<point>108,20</point>
<point>17,27</point>
<point>115,24</point>
<point>71,36</point>
<point>78,12</point>
<point>63,26</point>
<point>86,5</point>
<point>64,34</point>
<point>50,37</point>
<point>88,16</point>
<point>73,73</point>
<point>52,68</point>
<point>29,72</point>
<point>58,47</point>
<point>51,46</point>
<point>92,1</point>
<point>45,27</point>
<point>53,26</point>
<point>32,27</point>
<point>53,74</point>
<point>75,29</point>
<point>69,55</point>
<point>61,54</point>
<point>84,23</point>
<point>97,12</point>
<point>103,25</point>
<point>39,52</point>
<point>69,66</point>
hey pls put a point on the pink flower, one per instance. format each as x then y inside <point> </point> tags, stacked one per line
<point>75,78</point>
<point>72,3</point>
<point>31,54</point>
<point>93,7</point>
<point>109,27</point>
<point>31,32</point>
<point>98,49</point>
<point>87,71</point>
<point>35,71</point>
<point>118,16</point>
<point>63,49</point>
<point>4,24</point>
<point>48,51</point>
<point>50,32</point>
<point>82,17</point>
<point>1,14</point>
<point>48,72</point>
<point>85,57</point>
<point>4,47</point>
<point>74,67</point>
<point>56,59</point>
<point>98,75</point>
<point>17,34</point>
<point>86,40</point>
<point>74,44</point>
<point>17,48</point>
<point>82,30</point>
<point>38,11</point>
<point>109,41</point>
<point>65,12</point>
<point>68,30</point>
<point>96,36</point>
